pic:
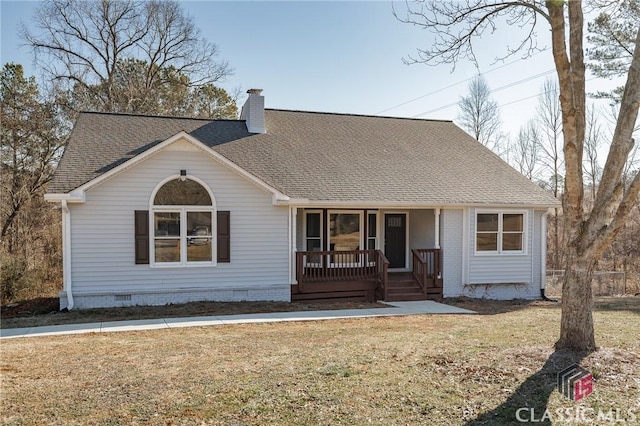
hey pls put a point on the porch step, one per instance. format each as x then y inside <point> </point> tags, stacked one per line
<point>407,289</point>
<point>405,297</point>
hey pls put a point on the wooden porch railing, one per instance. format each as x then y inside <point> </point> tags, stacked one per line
<point>382,274</point>
<point>351,265</point>
<point>426,268</point>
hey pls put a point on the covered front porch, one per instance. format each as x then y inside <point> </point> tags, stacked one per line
<point>366,254</point>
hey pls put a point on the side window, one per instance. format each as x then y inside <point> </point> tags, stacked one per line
<point>313,223</point>
<point>500,232</point>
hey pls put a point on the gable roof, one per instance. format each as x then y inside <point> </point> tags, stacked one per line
<point>320,157</point>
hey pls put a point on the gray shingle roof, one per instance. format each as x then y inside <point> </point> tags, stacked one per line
<point>317,156</point>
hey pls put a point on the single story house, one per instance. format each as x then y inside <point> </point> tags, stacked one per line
<point>291,205</point>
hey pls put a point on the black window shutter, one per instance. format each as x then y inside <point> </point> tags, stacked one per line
<point>142,237</point>
<point>224,236</point>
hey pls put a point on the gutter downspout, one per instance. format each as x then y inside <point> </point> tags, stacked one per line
<point>66,253</point>
<point>543,257</point>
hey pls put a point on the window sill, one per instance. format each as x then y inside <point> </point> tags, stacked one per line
<point>499,254</point>
<point>182,265</point>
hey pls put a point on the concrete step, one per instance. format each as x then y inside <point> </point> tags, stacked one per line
<point>405,297</point>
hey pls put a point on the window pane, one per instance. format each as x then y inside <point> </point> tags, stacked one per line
<point>487,242</point>
<point>167,224</point>
<point>199,250</point>
<point>199,224</point>
<point>167,250</point>
<point>371,226</point>
<point>344,231</point>
<point>488,222</point>
<point>512,242</point>
<point>313,224</point>
<point>179,193</point>
<point>513,222</point>
<point>371,245</point>
<point>199,237</point>
<point>313,244</point>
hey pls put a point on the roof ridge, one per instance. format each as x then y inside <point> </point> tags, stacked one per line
<point>360,115</point>
<point>128,114</point>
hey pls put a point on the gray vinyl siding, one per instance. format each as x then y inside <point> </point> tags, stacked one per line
<point>500,268</point>
<point>102,231</point>
<point>451,241</point>
<point>507,276</point>
<point>488,276</point>
<point>421,229</point>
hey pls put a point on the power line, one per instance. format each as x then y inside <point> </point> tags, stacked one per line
<point>535,96</point>
<point>506,86</point>
<point>455,84</point>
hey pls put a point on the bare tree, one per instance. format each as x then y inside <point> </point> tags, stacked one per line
<point>593,141</point>
<point>549,119</point>
<point>32,142</point>
<point>526,149</point>
<point>170,94</point>
<point>456,25</point>
<point>82,45</point>
<point>480,116</point>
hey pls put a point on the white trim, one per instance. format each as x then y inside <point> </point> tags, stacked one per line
<point>376,239</point>
<point>436,213</point>
<point>331,204</point>
<point>543,250</point>
<point>72,197</point>
<point>66,254</point>
<point>500,251</point>
<point>177,176</point>
<point>304,229</point>
<point>182,210</point>
<point>293,225</point>
<point>407,234</point>
<point>465,245</point>
<point>77,194</point>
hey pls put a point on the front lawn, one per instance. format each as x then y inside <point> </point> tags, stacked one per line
<point>429,369</point>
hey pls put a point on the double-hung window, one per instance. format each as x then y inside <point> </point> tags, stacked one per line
<point>500,232</point>
<point>183,220</point>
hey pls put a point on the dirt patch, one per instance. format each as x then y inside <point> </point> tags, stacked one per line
<point>44,311</point>
<point>491,307</point>
<point>27,308</point>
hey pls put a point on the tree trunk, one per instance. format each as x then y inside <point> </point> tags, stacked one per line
<point>556,245</point>
<point>576,330</point>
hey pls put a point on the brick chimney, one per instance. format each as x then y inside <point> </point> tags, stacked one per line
<point>253,112</point>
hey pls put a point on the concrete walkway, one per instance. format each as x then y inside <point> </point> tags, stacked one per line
<point>395,309</point>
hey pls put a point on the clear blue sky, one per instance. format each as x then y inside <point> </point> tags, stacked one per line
<point>339,57</point>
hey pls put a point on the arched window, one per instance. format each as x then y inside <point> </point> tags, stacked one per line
<point>183,217</point>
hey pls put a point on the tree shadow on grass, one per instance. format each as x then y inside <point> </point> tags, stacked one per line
<point>610,304</point>
<point>493,307</point>
<point>532,396</point>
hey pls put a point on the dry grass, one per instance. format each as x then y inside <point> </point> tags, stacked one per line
<point>441,369</point>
